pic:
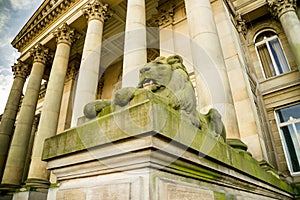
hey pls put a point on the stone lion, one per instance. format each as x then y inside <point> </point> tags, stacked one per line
<point>168,79</point>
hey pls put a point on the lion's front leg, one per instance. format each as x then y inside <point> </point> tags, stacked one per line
<point>123,96</point>
<point>92,109</point>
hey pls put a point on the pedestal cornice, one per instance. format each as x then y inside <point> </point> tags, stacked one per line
<point>279,7</point>
<point>97,10</point>
<point>40,54</point>
<point>66,34</point>
<point>21,70</point>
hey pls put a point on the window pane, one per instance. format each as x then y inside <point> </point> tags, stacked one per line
<point>298,133</point>
<point>291,147</point>
<point>278,55</point>
<point>266,60</point>
<point>285,114</point>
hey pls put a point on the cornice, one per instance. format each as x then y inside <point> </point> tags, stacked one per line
<point>48,12</point>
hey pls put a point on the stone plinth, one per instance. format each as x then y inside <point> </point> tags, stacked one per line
<point>149,151</point>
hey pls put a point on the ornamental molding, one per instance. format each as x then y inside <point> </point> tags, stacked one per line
<point>97,10</point>
<point>48,12</point>
<point>20,69</point>
<point>279,7</point>
<point>166,14</point>
<point>65,34</point>
<point>73,69</point>
<point>240,24</point>
<point>40,54</point>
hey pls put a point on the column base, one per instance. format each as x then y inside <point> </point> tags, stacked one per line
<point>7,188</point>
<point>7,191</point>
<point>34,184</point>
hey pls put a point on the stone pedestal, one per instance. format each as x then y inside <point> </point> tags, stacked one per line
<point>149,151</point>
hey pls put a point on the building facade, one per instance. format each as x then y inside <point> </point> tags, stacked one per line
<point>242,56</point>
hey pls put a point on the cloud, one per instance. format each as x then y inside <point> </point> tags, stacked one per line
<point>6,80</point>
<point>5,72</point>
<point>4,17</point>
<point>22,4</point>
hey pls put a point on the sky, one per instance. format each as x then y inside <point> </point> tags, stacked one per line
<point>13,16</point>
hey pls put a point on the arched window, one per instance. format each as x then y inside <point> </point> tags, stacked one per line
<point>271,54</point>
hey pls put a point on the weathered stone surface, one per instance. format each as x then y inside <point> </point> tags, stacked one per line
<point>152,137</point>
<point>71,194</point>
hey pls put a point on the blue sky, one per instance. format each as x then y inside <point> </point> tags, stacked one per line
<point>13,15</point>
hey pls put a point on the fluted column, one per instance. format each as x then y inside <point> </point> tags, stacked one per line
<point>285,11</point>
<point>51,106</point>
<point>135,44</point>
<point>17,154</point>
<point>96,13</point>
<point>209,64</point>
<point>21,71</point>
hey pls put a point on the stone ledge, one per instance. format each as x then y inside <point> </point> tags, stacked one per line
<point>139,127</point>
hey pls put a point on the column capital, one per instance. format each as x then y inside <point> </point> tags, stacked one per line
<point>97,10</point>
<point>66,34</point>
<point>279,7</point>
<point>40,53</point>
<point>20,69</point>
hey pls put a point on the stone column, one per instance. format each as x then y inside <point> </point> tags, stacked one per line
<point>285,11</point>
<point>17,154</point>
<point>96,12</point>
<point>135,44</point>
<point>166,37</point>
<point>212,81</point>
<point>51,106</point>
<point>9,116</point>
<point>30,145</point>
<point>66,109</point>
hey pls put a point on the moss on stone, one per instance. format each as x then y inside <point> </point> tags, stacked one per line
<point>149,114</point>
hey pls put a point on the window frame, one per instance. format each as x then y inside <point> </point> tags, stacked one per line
<point>282,138</point>
<point>266,42</point>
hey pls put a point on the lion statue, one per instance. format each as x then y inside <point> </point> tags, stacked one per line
<point>168,79</point>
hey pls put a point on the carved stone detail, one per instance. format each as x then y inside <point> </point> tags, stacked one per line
<point>97,10</point>
<point>20,69</point>
<point>40,54</point>
<point>279,7</point>
<point>240,24</point>
<point>66,34</point>
<point>166,14</point>
<point>72,70</point>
